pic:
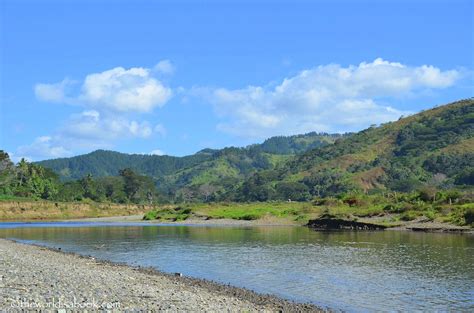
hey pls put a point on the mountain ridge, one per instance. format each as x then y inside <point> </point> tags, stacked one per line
<point>431,148</point>
<point>201,167</point>
<point>434,147</point>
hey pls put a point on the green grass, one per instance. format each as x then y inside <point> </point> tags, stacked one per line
<point>13,198</point>
<point>168,214</point>
<point>236,211</point>
<point>389,211</point>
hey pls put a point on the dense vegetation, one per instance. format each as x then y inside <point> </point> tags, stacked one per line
<point>419,166</point>
<point>203,176</point>
<point>391,209</point>
<point>29,180</point>
<point>433,149</point>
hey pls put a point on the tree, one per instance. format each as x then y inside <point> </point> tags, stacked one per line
<point>7,173</point>
<point>207,190</point>
<point>292,191</point>
<point>71,191</point>
<point>438,179</point>
<point>186,194</point>
<point>89,187</point>
<point>466,177</point>
<point>132,182</point>
<point>138,188</point>
<point>35,181</point>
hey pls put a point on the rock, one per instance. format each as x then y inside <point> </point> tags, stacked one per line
<point>341,224</point>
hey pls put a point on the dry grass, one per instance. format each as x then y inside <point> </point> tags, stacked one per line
<point>47,210</point>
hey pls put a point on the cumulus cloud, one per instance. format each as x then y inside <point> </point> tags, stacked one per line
<point>326,98</point>
<point>164,67</point>
<point>117,89</point>
<point>125,90</point>
<point>330,98</point>
<point>157,152</point>
<point>43,147</point>
<point>109,100</point>
<point>53,92</point>
<point>92,125</point>
<point>87,131</point>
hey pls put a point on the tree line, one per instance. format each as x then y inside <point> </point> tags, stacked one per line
<point>29,180</point>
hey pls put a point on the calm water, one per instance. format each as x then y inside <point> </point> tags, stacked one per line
<point>353,271</point>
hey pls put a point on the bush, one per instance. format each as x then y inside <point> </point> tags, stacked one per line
<point>249,217</point>
<point>427,194</point>
<point>430,214</point>
<point>150,215</point>
<point>327,201</point>
<point>398,208</point>
<point>469,216</point>
<point>409,216</point>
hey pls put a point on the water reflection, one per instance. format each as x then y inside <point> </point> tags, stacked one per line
<point>353,271</point>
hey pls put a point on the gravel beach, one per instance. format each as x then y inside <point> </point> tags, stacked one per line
<point>38,278</point>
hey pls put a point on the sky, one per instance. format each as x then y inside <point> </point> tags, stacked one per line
<point>175,77</point>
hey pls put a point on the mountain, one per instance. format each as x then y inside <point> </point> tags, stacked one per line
<point>103,163</point>
<point>218,167</point>
<point>431,148</point>
<point>434,148</point>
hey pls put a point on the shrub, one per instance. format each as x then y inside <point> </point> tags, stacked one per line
<point>150,215</point>
<point>409,216</point>
<point>248,217</point>
<point>398,208</point>
<point>469,216</point>
<point>430,215</point>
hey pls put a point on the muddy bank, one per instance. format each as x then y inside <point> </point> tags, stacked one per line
<point>266,221</point>
<point>341,224</point>
<point>36,277</point>
<point>421,225</point>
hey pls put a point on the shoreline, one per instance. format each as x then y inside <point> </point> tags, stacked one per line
<point>38,274</point>
<point>419,226</point>
<point>412,226</point>
<point>276,215</point>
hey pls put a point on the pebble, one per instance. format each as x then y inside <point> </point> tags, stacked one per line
<point>33,275</point>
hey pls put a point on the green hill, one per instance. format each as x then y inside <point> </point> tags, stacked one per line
<point>431,148</point>
<point>434,148</point>
<point>103,163</point>
<point>221,168</point>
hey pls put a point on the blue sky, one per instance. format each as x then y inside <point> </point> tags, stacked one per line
<point>175,77</point>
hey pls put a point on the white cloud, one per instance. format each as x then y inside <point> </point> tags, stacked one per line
<point>92,125</point>
<point>330,98</point>
<point>110,99</point>
<point>125,90</point>
<point>118,89</point>
<point>164,67</point>
<point>86,131</point>
<point>157,152</point>
<point>53,92</point>
<point>326,98</point>
<point>43,147</point>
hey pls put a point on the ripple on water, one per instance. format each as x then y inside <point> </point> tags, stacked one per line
<point>353,271</point>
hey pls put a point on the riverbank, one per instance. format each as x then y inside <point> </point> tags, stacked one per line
<point>416,225</point>
<point>37,276</point>
<point>29,210</point>
<point>231,214</point>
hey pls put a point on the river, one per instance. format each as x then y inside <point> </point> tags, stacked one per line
<point>350,271</point>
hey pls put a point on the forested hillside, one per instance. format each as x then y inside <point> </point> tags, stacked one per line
<point>429,151</point>
<point>103,163</point>
<point>210,171</point>
<point>434,148</point>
